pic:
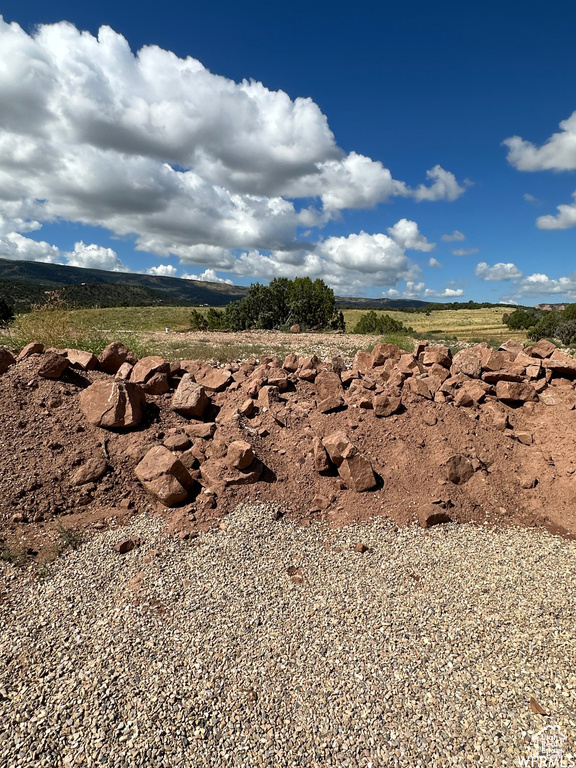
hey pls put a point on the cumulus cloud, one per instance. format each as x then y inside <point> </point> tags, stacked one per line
<point>444,186</point>
<point>465,251</point>
<point>163,270</point>
<point>447,293</point>
<point>456,235</point>
<point>94,257</point>
<point>157,148</point>
<point>408,236</point>
<point>208,276</point>
<point>558,153</point>
<point>15,246</point>
<point>434,263</point>
<point>539,284</point>
<point>565,218</point>
<point>499,271</point>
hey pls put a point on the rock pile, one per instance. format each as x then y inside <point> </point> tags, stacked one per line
<point>426,435</point>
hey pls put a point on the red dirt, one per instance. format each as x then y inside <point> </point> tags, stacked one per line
<point>45,438</point>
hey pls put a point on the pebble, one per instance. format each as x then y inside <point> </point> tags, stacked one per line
<point>423,651</point>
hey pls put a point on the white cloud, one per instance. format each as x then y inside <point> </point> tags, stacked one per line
<point>208,276</point>
<point>456,235</point>
<point>539,284</point>
<point>15,246</point>
<point>391,293</point>
<point>408,236</point>
<point>444,186</point>
<point>413,290</point>
<point>94,257</point>
<point>157,148</point>
<point>499,271</point>
<point>565,218</point>
<point>530,198</point>
<point>163,270</point>
<point>558,153</point>
<point>447,293</point>
<point>465,251</point>
<point>434,263</point>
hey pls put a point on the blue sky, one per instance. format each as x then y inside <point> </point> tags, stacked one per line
<point>361,143</point>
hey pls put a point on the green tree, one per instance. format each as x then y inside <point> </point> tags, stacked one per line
<point>6,312</point>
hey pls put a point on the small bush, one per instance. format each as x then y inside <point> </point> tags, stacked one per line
<point>6,313</point>
<point>371,322</point>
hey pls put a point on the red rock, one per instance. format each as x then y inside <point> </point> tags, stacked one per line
<point>419,387</point>
<point>34,348</point>
<point>347,377</point>
<point>267,396</point>
<point>290,363</point>
<point>533,371</point>
<point>515,392</point>
<point>6,360</point>
<point>463,399</point>
<point>335,444</point>
<point>459,469</point>
<point>432,514</point>
<point>524,437</point>
<point>53,365</point>
<point>247,408</point>
<point>467,361</point>
<point>113,404</point>
<point>126,546</point>
<point>419,348</point>
<point>145,368</point>
<point>496,416</point>
<point>91,471</point>
<point>111,358</point>
<point>123,373</point>
<point>437,356</point>
<point>214,379</point>
<point>157,384</point>
<point>307,374</point>
<point>386,405</point>
<point>329,404</point>
<point>494,361</point>
<point>192,366</point>
<point>163,475</point>
<point>362,361</point>
<point>278,379</point>
<point>513,372</point>
<point>190,399</point>
<point>328,384</point>
<point>356,470</point>
<point>512,346</point>
<point>85,361</point>
<point>240,454</point>
<point>321,460</point>
<point>309,363</point>
<point>383,352</point>
<point>204,430</point>
<point>177,442</point>
<point>543,349</point>
<point>295,328</point>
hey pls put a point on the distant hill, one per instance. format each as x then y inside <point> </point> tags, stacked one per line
<point>352,302</point>
<point>23,283</point>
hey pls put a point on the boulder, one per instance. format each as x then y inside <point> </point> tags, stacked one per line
<point>6,359</point>
<point>459,469</point>
<point>543,349</point>
<point>513,346</point>
<point>111,358</point>
<point>321,460</point>
<point>145,368</point>
<point>113,404</point>
<point>53,365</point>
<point>34,348</point>
<point>432,514</point>
<point>177,442</point>
<point>204,430</point>
<point>383,352</point>
<point>467,361</point>
<point>214,379</point>
<point>247,408</point>
<point>157,384</point>
<point>91,471</point>
<point>335,445</point>
<point>515,392</point>
<point>328,384</point>
<point>85,361</point>
<point>309,363</point>
<point>295,328</point>
<point>240,454</point>
<point>290,363</point>
<point>362,361</point>
<point>329,404</point>
<point>386,405</point>
<point>419,387</point>
<point>356,470</point>
<point>163,475</point>
<point>267,396</point>
<point>190,399</point>
<point>123,373</point>
<point>437,356</point>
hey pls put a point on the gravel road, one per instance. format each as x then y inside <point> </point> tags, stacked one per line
<point>422,651</point>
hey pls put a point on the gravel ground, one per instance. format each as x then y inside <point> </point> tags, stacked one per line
<point>422,651</point>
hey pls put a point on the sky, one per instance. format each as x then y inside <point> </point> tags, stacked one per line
<point>411,150</point>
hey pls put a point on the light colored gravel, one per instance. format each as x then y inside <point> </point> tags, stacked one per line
<point>422,652</point>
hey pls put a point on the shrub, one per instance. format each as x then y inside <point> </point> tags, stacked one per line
<point>281,304</point>
<point>6,312</point>
<point>371,322</point>
<point>522,319</point>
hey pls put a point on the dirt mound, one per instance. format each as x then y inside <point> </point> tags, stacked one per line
<point>485,436</point>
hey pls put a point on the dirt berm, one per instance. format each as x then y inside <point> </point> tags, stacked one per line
<point>486,436</point>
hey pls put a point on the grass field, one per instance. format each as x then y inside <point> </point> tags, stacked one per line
<point>143,330</point>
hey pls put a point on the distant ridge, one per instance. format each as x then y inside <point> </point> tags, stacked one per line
<point>24,283</point>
